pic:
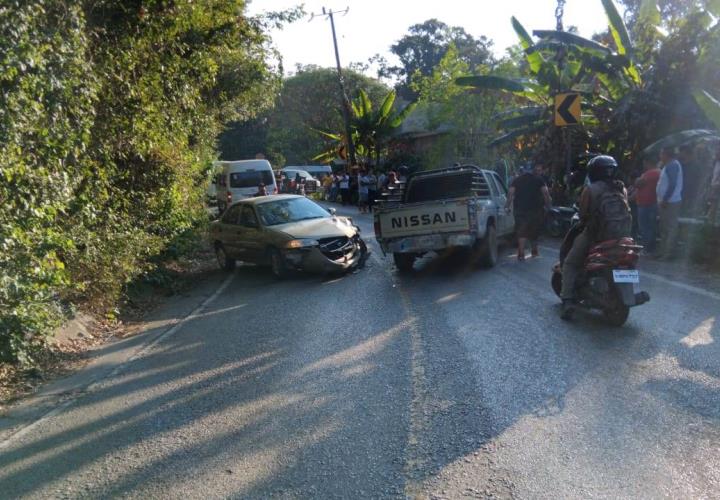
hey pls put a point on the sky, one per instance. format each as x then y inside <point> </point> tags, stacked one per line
<point>372,26</point>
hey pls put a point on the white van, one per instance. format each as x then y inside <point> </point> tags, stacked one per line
<point>240,179</point>
<point>317,171</point>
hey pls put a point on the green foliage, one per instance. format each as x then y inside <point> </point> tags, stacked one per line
<point>424,46</point>
<point>47,113</point>
<point>534,58</point>
<point>310,99</point>
<point>371,129</point>
<point>709,105</point>
<point>110,111</point>
<point>619,32</point>
<point>463,117</point>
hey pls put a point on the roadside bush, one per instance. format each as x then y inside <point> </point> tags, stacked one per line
<point>46,114</point>
<point>108,120</point>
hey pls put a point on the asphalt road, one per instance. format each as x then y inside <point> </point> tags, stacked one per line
<point>449,382</point>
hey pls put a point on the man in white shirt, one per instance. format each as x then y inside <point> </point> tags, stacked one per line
<point>345,188</point>
<point>669,195</point>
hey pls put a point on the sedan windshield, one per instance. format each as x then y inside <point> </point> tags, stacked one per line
<point>278,212</point>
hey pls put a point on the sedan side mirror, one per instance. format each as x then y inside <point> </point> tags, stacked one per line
<point>332,211</point>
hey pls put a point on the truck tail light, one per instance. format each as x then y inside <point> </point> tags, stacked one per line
<point>376,226</point>
<point>228,197</point>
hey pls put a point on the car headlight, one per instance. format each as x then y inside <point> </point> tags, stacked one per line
<point>301,243</point>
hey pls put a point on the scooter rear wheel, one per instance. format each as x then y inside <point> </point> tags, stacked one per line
<point>556,282</point>
<point>617,315</point>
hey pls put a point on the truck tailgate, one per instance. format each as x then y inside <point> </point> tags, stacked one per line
<point>425,218</point>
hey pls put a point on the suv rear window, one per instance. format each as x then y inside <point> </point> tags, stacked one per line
<point>251,178</point>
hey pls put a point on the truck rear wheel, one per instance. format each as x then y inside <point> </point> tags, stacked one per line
<point>489,248</point>
<point>404,261</point>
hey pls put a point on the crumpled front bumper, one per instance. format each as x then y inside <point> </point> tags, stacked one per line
<point>313,260</point>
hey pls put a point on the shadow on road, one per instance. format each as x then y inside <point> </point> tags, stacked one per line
<point>338,386</point>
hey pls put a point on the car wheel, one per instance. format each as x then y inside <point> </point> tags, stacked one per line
<point>404,261</point>
<point>277,264</point>
<point>224,261</point>
<point>489,247</point>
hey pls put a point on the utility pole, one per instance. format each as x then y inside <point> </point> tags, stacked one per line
<point>345,102</point>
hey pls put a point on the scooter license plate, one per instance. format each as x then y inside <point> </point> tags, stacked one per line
<point>626,276</point>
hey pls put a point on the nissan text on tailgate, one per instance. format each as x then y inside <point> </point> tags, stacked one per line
<point>441,209</point>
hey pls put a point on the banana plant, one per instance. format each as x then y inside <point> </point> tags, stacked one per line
<point>371,129</point>
<point>710,108</point>
<point>563,62</point>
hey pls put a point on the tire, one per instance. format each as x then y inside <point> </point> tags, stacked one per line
<point>489,248</point>
<point>363,252</point>
<point>277,264</point>
<point>618,314</point>
<point>404,261</point>
<point>556,228</point>
<point>224,261</point>
<point>556,282</point>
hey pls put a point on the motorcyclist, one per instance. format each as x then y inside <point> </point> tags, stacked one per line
<point>601,173</point>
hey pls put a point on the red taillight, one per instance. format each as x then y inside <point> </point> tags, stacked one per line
<point>228,197</point>
<point>275,190</point>
<point>376,226</point>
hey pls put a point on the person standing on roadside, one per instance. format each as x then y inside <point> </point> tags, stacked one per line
<point>691,202</point>
<point>335,187</point>
<point>647,206</point>
<point>362,192</point>
<point>529,198</point>
<point>372,183</point>
<point>669,194</point>
<point>327,183</point>
<point>344,184</point>
<point>714,188</point>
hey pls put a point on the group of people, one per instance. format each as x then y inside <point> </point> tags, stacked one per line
<point>664,191</point>
<point>361,186</point>
<point>657,195</point>
<point>292,185</point>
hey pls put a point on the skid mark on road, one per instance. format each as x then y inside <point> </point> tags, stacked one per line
<point>173,328</point>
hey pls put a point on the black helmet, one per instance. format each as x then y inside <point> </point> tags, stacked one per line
<point>602,167</point>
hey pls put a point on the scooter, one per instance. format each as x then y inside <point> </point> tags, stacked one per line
<point>559,220</point>
<point>610,281</point>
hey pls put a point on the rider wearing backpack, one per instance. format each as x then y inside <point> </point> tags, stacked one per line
<point>604,214</point>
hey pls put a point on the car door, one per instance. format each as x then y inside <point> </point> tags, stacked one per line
<point>250,235</point>
<point>228,230</point>
<point>505,216</point>
<point>497,210</point>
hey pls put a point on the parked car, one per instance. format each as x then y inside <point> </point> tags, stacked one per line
<point>236,180</point>
<point>311,183</point>
<point>317,171</point>
<point>286,232</point>
<point>439,209</point>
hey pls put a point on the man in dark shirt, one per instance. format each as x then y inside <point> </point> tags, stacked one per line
<point>529,197</point>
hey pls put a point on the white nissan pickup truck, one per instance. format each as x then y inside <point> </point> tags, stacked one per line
<point>454,207</point>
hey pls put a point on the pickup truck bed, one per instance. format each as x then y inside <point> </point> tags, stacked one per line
<point>441,209</point>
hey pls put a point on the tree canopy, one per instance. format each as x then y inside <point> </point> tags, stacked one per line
<point>424,46</point>
<point>307,101</point>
